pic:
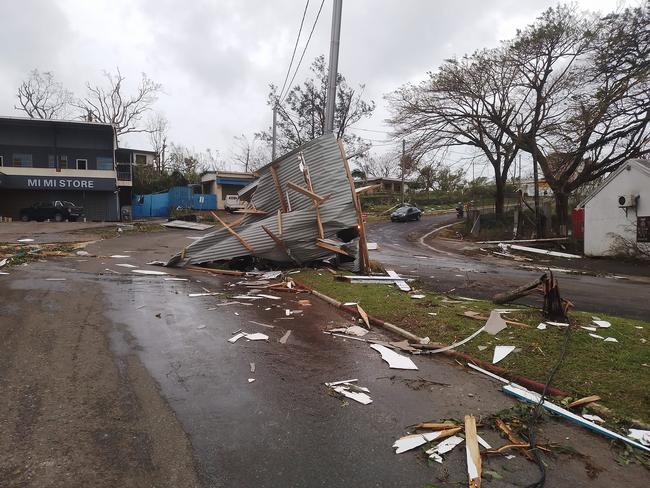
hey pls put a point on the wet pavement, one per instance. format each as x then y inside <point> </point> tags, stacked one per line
<point>482,278</point>
<point>284,429</point>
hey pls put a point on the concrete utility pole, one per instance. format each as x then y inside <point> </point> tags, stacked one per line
<point>403,163</point>
<point>334,66</point>
<point>538,227</point>
<point>275,117</point>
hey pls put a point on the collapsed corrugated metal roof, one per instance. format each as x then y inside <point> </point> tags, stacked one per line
<point>302,204</point>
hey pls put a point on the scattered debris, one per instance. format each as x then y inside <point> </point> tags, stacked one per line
<point>349,390</point>
<point>501,352</point>
<point>183,224</point>
<point>412,441</point>
<point>401,284</point>
<point>202,326</point>
<point>283,339</point>
<point>495,323</point>
<point>304,303</point>
<point>256,337</point>
<point>175,279</point>
<point>593,418</point>
<point>394,360</point>
<point>444,447</point>
<point>126,265</point>
<point>355,330</point>
<point>364,316</point>
<point>596,336</point>
<point>250,380</point>
<point>418,296</point>
<point>610,339</point>
<point>270,297</point>
<point>25,240</point>
<point>532,397</point>
<point>591,329</point>
<point>602,324</point>
<point>259,323</point>
<point>252,367</point>
<point>542,326</point>
<point>206,294</point>
<point>542,251</point>
<point>148,272</point>
<point>119,256</point>
<point>643,436</point>
<point>3,262</point>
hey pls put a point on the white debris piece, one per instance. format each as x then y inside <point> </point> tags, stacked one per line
<point>285,337</point>
<point>355,330</point>
<point>126,265</point>
<point>250,380</point>
<point>206,294</point>
<point>542,326</point>
<point>501,352</point>
<point>591,329</point>
<point>557,324</point>
<point>401,284</point>
<point>271,275</point>
<point>252,367</point>
<point>372,246</point>
<point>412,441</point>
<point>483,442</point>
<point>353,392</point>
<point>643,436</point>
<point>418,296</point>
<point>349,304</point>
<point>262,324</point>
<point>247,297</point>
<point>603,324</point>
<point>148,272</point>
<point>270,297</point>
<point>596,336</point>
<point>593,418</point>
<point>25,240</point>
<point>610,339</point>
<point>394,360</point>
<point>82,253</point>
<point>543,251</point>
<point>3,262</point>
<point>175,279</point>
<point>444,447</point>
<point>202,326</point>
<point>236,337</point>
<point>510,456</point>
<point>257,336</point>
<point>495,323</point>
<point>119,256</point>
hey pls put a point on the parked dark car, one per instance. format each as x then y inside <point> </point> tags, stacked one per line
<point>404,214</point>
<point>57,210</point>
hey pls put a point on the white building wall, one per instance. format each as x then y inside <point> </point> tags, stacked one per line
<point>604,219</point>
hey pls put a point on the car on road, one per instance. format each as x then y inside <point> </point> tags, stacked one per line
<point>57,210</point>
<point>404,214</point>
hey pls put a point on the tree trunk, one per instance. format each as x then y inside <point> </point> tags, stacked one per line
<point>562,210</point>
<point>499,199</point>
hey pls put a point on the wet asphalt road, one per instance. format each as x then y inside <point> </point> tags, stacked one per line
<point>284,430</point>
<point>400,249</point>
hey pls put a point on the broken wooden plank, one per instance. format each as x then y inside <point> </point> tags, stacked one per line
<point>513,437</point>
<point>234,233</point>
<point>228,272</point>
<point>281,244</point>
<point>278,188</point>
<point>364,316</point>
<point>472,452</point>
<point>366,188</point>
<point>310,194</point>
<point>583,401</point>
<point>435,425</point>
<point>331,247</point>
<point>279,223</point>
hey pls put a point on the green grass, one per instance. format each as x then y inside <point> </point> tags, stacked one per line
<point>591,367</point>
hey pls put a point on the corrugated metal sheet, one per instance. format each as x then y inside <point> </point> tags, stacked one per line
<point>299,227</point>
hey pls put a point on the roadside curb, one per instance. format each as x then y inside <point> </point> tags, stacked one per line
<point>521,380</point>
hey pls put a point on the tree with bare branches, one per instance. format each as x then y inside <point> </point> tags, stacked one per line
<point>158,129</point>
<point>110,104</point>
<point>465,103</point>
<point>251,154</point>
<point>301,115</point>
<point>40,96</point>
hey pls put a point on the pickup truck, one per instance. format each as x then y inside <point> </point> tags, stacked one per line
<point>57,210</point>
<point>233,203</point>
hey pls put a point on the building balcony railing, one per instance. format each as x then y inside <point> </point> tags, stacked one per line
<point>123,175</point>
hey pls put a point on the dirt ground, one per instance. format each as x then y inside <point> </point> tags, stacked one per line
<point>76,413</point>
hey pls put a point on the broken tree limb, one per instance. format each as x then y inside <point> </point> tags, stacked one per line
<point>512,437</point>
<point>278,188</point>
<point>317,198</point>
<point>472,452</point>
<point>523,290</point>
<point>235,234</point>
<point>363,315</point>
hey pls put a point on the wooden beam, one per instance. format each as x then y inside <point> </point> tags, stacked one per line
<point>279,223</point>
<point>472,452</point>
<point>310,194</point>
<point>330,247</point>
<point>229,272</point>
<point>239,238</point>
<point>232,224</point>
<point>364,258</point>
<point>281,244</point>
<point>278,188</point>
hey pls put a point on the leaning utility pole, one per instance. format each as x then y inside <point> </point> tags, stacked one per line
<point>334,66</point>
<point>275,117</point>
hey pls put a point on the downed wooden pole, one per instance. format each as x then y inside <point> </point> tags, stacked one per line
<point>521,291</point>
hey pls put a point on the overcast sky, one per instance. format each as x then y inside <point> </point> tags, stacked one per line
<point>215,59</point>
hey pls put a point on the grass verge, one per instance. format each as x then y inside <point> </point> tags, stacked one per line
<point>618,372</point>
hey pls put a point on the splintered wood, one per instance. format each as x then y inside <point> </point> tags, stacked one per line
<point>473,453</point>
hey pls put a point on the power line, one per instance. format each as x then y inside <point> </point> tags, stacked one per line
<point>306,45</point>
<point>295,46</point>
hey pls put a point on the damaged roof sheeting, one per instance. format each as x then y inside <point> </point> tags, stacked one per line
<point>290,215</point>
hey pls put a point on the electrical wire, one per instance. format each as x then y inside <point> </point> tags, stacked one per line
<point>534,417</point>
<point>295,47</point>
<point>305,49</point>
